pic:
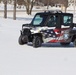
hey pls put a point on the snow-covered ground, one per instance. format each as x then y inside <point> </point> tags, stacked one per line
<point>50,59</point>
<point>15,59</point>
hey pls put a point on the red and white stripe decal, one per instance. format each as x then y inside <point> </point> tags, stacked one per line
<point>59,34</point>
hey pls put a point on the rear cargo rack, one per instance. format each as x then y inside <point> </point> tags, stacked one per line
<point>54,11</point>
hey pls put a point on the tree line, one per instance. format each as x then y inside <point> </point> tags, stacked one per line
<point>29,5</point>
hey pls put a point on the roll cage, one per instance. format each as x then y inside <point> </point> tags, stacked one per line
<point>56,19</point>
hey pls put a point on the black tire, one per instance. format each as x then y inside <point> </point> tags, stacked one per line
<point>75,43</point>
<point>22,40</point>
<point>37,41</point>
<point>65,43</point>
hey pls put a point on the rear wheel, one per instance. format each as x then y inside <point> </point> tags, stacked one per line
<point>75,43</point>
<point>37,41</point>
<point>23,40</point>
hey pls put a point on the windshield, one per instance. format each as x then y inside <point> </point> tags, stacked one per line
<point>39,19</point>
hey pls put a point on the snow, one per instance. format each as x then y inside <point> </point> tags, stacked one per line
<point>15,59</point>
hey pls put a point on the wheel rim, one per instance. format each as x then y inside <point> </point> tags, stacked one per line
<point>38,42</point>
<point>25,39</point>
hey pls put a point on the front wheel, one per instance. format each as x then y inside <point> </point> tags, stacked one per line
<point>22,40</point>
<point>37,41</point>
<point>75,43</point>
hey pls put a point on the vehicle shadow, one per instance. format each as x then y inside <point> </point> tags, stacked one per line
<point>54,45</point>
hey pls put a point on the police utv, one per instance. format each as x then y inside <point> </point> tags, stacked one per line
<point>49,27</point>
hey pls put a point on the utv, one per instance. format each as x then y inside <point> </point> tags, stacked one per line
<point>49,27</point>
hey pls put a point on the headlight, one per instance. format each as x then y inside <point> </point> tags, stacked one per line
<point>35,30</point>
<point>66,36</point>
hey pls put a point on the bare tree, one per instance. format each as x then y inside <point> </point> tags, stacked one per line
<point>5,8</point>
<point>0,1</point>
<point>53,2</point>
<point>20,3</point>
<point>14,11</point>
<point>29,5</point>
